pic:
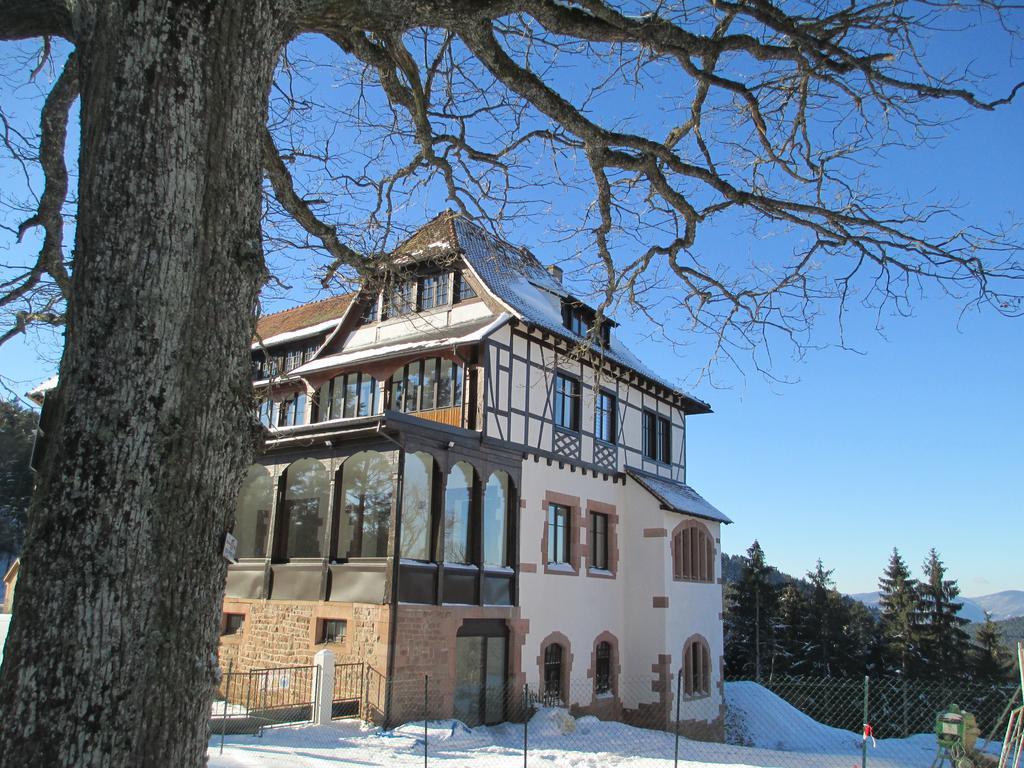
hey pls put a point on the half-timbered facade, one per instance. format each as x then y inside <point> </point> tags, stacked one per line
<point>464,478</point>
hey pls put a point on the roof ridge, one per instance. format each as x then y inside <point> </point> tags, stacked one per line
<point>446,212</point>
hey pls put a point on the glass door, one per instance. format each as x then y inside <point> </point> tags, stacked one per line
<point>481,672</point>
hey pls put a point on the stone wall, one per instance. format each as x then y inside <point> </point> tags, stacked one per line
<point>285,634</point>
<point>426,647</point>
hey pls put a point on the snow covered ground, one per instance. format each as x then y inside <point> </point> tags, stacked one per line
<point>773,735</point>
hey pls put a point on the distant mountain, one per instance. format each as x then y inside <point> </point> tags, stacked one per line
<point>1008,604</point>
<point>1002,605</point>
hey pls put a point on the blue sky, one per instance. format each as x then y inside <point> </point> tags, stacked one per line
<point>915,441</point>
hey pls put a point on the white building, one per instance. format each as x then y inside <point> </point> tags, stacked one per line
<point>463,479</point>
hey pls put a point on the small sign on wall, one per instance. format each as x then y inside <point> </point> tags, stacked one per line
<point>230,548</point>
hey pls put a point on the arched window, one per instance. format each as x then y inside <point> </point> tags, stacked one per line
<point>252,512</point>
<point>427,385</point>
<point>304,510</point>
<point>693,553</point>
<point>365,506</point>
<point>346,396</point>
<point>603,667</point>
<point>495,521</point>
<point>696,667</point>
<point>458,502</point>
<point>417,488</point>
<point>554,655</point>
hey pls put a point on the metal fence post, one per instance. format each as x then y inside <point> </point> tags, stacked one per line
<point>679,702</point>
<point>903,697</point>
<point>426,697</point>
<point>864,744</point>
<point>526,720</point>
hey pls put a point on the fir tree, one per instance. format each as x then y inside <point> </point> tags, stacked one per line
<point>858,649</point>
<point>750,617</point>
<point>822,623</point>
<point>990,658</point>
<point>944,642</point>
<point>900,620</point>
<point>790,655</point>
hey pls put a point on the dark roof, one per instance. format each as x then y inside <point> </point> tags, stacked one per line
<point>519,280</point>
<point>677,496</point>
<point>303,316</point>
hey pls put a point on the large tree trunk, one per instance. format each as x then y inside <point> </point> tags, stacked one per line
<point>112,649</point>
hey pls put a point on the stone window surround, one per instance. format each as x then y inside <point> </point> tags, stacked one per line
<point>677,568</point>
<point>557,638</point>
<point>700,642</point>
<point>613,538</point>
<point>238,609</point>
<point>575,524</point>
<point>323,612</point>
<point>616,664</point>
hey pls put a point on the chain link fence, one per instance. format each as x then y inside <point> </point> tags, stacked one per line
<point>584,723</point>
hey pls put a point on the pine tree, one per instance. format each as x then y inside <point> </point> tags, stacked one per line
<point>990,658</point>
<point>900,621</point>
<point>944,642</point>
<point>750,617</point>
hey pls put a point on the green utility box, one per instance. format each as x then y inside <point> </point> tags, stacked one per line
<point>956,728</point>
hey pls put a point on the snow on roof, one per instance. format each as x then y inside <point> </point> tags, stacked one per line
<point>678,496</point>
<point>301,333</point>
<point>302,317</point>
<point>520,281</point>
<point>37,392</point>
<point>451,336</point>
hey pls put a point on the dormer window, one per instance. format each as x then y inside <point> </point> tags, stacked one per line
<point>292,359</point>
<point>463,290</point>
<point>576,320</point>
<point>370,314</point>
<point>433,291</point>
<point>580,320</point>
<point>399,300</point>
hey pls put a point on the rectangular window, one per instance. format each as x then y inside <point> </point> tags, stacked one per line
<point>606,417</point>
<point>232,623</point>
<point>310,352</point>
<point>650,435</point>
<point>367,396</point>
<point>599,541</point>
<point>657,437</point>
<point>400,299</point>
<point>428,399</point>
<point>413,379</point>
<point>333,630</point>
<point>369,314</point>
<point>292,412</point>
<point>664,440</point>
<point>433,291</point>
<point>463,290</point>
<point>292,359</point>
<point>558,533</point>
<point>567,402</point>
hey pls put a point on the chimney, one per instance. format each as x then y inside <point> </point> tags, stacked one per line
<point>555,272</point>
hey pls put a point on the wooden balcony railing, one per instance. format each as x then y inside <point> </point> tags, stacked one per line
<point>450,416</point>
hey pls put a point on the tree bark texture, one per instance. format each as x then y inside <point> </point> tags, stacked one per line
<point>119,595</point>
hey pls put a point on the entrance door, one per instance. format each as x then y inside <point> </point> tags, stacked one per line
<point>481,672</point>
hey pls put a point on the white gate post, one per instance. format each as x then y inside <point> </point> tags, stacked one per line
<point>323,694</point>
